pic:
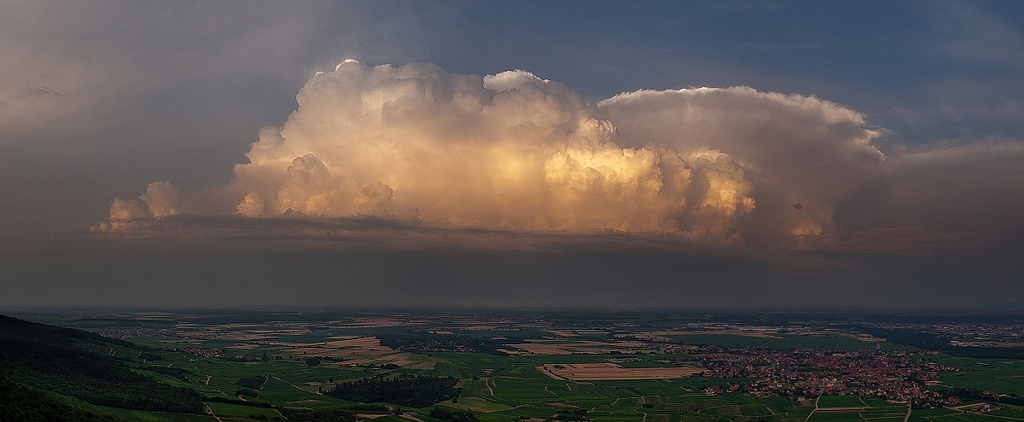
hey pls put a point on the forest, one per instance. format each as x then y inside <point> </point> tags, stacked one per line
<point>409,390</point>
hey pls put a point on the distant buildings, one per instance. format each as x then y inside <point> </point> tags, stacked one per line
<point>898,376</point>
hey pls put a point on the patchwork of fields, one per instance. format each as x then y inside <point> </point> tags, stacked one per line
<point>510,368</point>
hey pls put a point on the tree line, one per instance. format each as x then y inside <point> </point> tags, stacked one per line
<point>407,390</point>
<point>427,342</point>
<point>95,379</point>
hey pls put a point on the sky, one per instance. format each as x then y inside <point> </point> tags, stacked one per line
<point>531,154</point>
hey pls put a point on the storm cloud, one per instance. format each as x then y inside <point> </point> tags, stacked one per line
<point>515,152</point>
<point>554,154</point>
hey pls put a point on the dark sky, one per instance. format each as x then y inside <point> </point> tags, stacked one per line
<point>522,154</point>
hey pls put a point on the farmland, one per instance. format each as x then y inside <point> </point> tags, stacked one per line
<point>509,366</point>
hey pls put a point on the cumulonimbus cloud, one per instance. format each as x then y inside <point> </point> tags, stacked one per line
<point>515,152</point>
<point>160,200</point>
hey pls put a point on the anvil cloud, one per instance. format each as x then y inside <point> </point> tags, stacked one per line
<point>528,153</point>
<point>515,152</point>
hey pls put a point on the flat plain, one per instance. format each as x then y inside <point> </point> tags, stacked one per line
<point>255,365</point>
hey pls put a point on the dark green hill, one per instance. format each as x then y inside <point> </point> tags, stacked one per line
<point>26,404</point>
<point>58,362</point>
<point>13,328</point>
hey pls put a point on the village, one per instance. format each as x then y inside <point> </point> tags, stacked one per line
<point>897,376</point>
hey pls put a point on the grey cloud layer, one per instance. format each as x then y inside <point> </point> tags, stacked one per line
<point>971,188</point>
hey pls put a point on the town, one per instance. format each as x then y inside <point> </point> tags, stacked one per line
<point>897,376</point>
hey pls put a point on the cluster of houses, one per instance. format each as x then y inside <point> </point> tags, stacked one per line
<point>898,376</point>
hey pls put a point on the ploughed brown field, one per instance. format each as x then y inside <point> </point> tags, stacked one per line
<point>611,371</point>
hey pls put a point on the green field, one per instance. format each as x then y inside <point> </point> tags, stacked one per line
<point>292,364</point>
<point>840,401</point>
<point>828,340</point>
<point>1002,375</point>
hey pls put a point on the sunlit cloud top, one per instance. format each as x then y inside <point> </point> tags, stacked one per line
<point>672,146</point>
<point>512,151</point>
